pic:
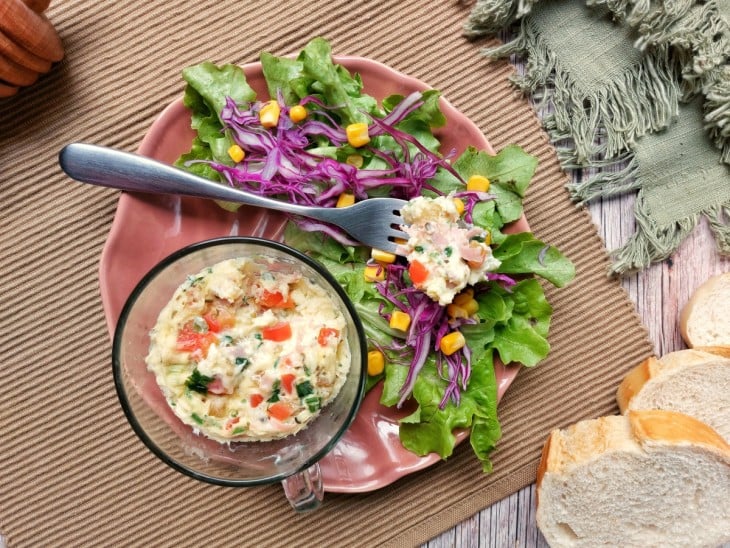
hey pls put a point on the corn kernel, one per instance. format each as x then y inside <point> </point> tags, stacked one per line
<point>376,362</point>
<point>297,113</point>
<point>452,342</point>
<point>400,320</point>
<point>400,241</point>
<point>488,238</point>
<point>477,183</point>
<point>357,134</point>
<point>459,205</point>
<point>269,114</point>
<point>345,199</point>
<point>382,256</point>
<point>236,153</point>
<point>455,311</point>
<point>374,273</point>
<point>466,294</point>
<point>471,307</point>
<point>355,160</point>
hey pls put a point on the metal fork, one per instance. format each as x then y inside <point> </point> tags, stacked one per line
<point>374,222</point>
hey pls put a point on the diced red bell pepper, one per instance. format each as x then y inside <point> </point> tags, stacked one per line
<point>325,334</point>
<point>280,410</point>
<point>278,332</point>
<point>287,382</point>
<point>418,272</point>
<point>189,340</point>
<point>231,422</point>
<point>218,320</point>
<point>274,299</point>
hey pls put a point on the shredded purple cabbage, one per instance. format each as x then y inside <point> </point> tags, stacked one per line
<point>283,162</point>
<point>279,161</point>
<point>470,199</point>
<point>429,324</point>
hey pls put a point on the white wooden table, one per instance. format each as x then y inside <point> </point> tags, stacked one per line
<point>659,294</point>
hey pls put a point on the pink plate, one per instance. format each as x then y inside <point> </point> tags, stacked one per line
<point>148,227</point>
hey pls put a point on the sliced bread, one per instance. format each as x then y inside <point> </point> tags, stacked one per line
<point>705,319</point>
<point>647,478</point>
<point>695,382</point>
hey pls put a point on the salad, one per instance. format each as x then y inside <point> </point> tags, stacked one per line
<point>434,326</point>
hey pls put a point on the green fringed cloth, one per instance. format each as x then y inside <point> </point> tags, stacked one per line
<point>635,95</point>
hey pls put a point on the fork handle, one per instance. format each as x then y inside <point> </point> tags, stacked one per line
<point>103,166</point>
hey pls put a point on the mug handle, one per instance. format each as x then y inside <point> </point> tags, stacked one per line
<point>304,490</point>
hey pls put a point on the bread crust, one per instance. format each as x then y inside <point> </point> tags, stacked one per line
<point>665,427</point>
<point>632,432</point>
<point>614,442</point>
<point>634,381</point>
<point>713,291</point>
<point>653,367</point>
<point>543,465</point>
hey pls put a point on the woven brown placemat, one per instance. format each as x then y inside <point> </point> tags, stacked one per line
<point>71,470</point>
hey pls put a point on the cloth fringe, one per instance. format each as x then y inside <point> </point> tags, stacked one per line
<point>686,52</point>
<point>717,110</point>
<point>607,183</point>
<point>645,99</point>
<point>488,17</point>
<point>719,220</point>
<point>698,35</point>
<point>650,243</point>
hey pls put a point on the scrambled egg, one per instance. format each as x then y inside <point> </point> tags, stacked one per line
<point>451,253</point>
<point>249,350</point>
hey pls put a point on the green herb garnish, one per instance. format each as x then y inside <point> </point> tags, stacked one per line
<point>276,390</point>
<point>304,388</point>
<point>312,402</point>
<point>242,363</point>
<point>197,382</point>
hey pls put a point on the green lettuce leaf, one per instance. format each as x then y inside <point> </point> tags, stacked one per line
<point>521,319</point>
<point>429,113</point>
<point>393,380</point>
<point>286,76</point>
<point>430,429</point>
<point>509,172</point>
<point>208,86</point>
<point>211,84</point>
<point>524,254</point>
<point>335,84</point>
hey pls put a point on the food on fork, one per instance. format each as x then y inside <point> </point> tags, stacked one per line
<point>647,478</point>
<point>705,319</point>
<point>695,382</point>
<point>245,351</point>
<point>445,253</point>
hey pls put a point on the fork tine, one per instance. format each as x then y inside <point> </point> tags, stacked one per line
<point>375,222</point>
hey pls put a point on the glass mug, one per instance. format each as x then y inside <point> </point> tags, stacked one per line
<point>292,460</point>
